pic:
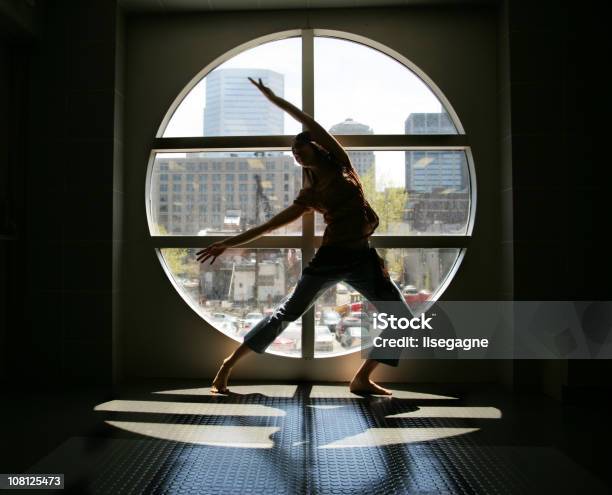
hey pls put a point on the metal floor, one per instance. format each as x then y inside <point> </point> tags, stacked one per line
<point>312,439</point>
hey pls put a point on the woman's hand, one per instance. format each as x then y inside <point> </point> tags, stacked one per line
<point>214,249</point>
<point>268,93</point>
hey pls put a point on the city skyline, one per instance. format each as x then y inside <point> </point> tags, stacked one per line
<point>232,105</point>
<point>381,97</point>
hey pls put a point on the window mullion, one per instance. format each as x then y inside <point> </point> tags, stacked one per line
<point>300,242</point>
<point>356,142</point>
<point>308,333</point>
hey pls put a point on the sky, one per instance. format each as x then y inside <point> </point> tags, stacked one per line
<point>351,80</point>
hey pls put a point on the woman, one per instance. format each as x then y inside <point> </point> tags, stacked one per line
<point>332,187</point>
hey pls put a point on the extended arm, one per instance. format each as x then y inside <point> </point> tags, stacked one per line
<point>318,132</point>
<point>284,217</point>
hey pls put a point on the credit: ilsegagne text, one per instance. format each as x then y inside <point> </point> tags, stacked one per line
<point>430,342</point>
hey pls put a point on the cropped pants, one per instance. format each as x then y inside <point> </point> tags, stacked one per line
<point>362,269</point>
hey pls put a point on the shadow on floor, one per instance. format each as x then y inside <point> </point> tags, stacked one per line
<point>177,437</point>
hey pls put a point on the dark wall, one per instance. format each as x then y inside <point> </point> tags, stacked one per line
<point>18,30</point>
<point>64,331</point>
<point>558,184</point>
<point>4,201</point>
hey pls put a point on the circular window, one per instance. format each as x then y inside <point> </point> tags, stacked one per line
<point>221,164</point>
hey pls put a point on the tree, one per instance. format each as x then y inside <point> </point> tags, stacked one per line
<point>178,259</point>
<point>389,204</point>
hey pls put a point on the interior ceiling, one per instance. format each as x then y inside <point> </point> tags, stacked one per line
<point>219,5</point>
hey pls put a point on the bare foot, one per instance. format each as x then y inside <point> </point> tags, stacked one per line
<point>366,386</point>
<point>219,384</point>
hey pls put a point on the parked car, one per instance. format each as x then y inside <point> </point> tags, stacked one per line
<point>290,339</point>
<point>228,326</point>
<point>218,316</point>
<point>224,322</point>
<point>284,343</point>
<point>345,323</point>
<point>330,319</point>
<point>324,340</point>
<point>411,294</point>
<point>249,321</point>
<point>341,289</point>
<point>355,306</point>
<point>424,295</point>
<point>190,283</point>
<point>351,337</point>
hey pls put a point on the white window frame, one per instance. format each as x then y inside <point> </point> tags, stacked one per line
<point>308,241</point>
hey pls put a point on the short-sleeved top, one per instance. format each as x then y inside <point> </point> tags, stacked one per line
<point>347,214</point>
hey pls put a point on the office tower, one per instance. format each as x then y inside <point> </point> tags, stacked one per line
<point>363,161</point>
<point>436,181</point>
<point>235,107</point>
<point>427,171</point>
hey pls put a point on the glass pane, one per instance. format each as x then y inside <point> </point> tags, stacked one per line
<point>226,103</point>
<point>414,192</point>
<point>360,90</point>
<point>418,273</point>
<point>222,193</point>
<point>240,288</point>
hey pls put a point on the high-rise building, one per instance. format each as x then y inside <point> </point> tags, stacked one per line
<point>363,161</point>
<point>235,107</point>
<point>429,123</point>
<point>427,171</point>
<point>436,181</point>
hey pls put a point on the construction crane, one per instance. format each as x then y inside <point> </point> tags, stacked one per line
<point>261,201</point>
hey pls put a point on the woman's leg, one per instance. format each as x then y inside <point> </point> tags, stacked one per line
<point>258,338</point>
<point>219,383</point>
<point>378,288</point>
<point>362,383</point>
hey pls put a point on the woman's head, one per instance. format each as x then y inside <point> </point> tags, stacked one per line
<point>307,152</point>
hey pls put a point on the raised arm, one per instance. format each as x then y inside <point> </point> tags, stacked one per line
<point>317,131</point>
<point>288,215</point>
